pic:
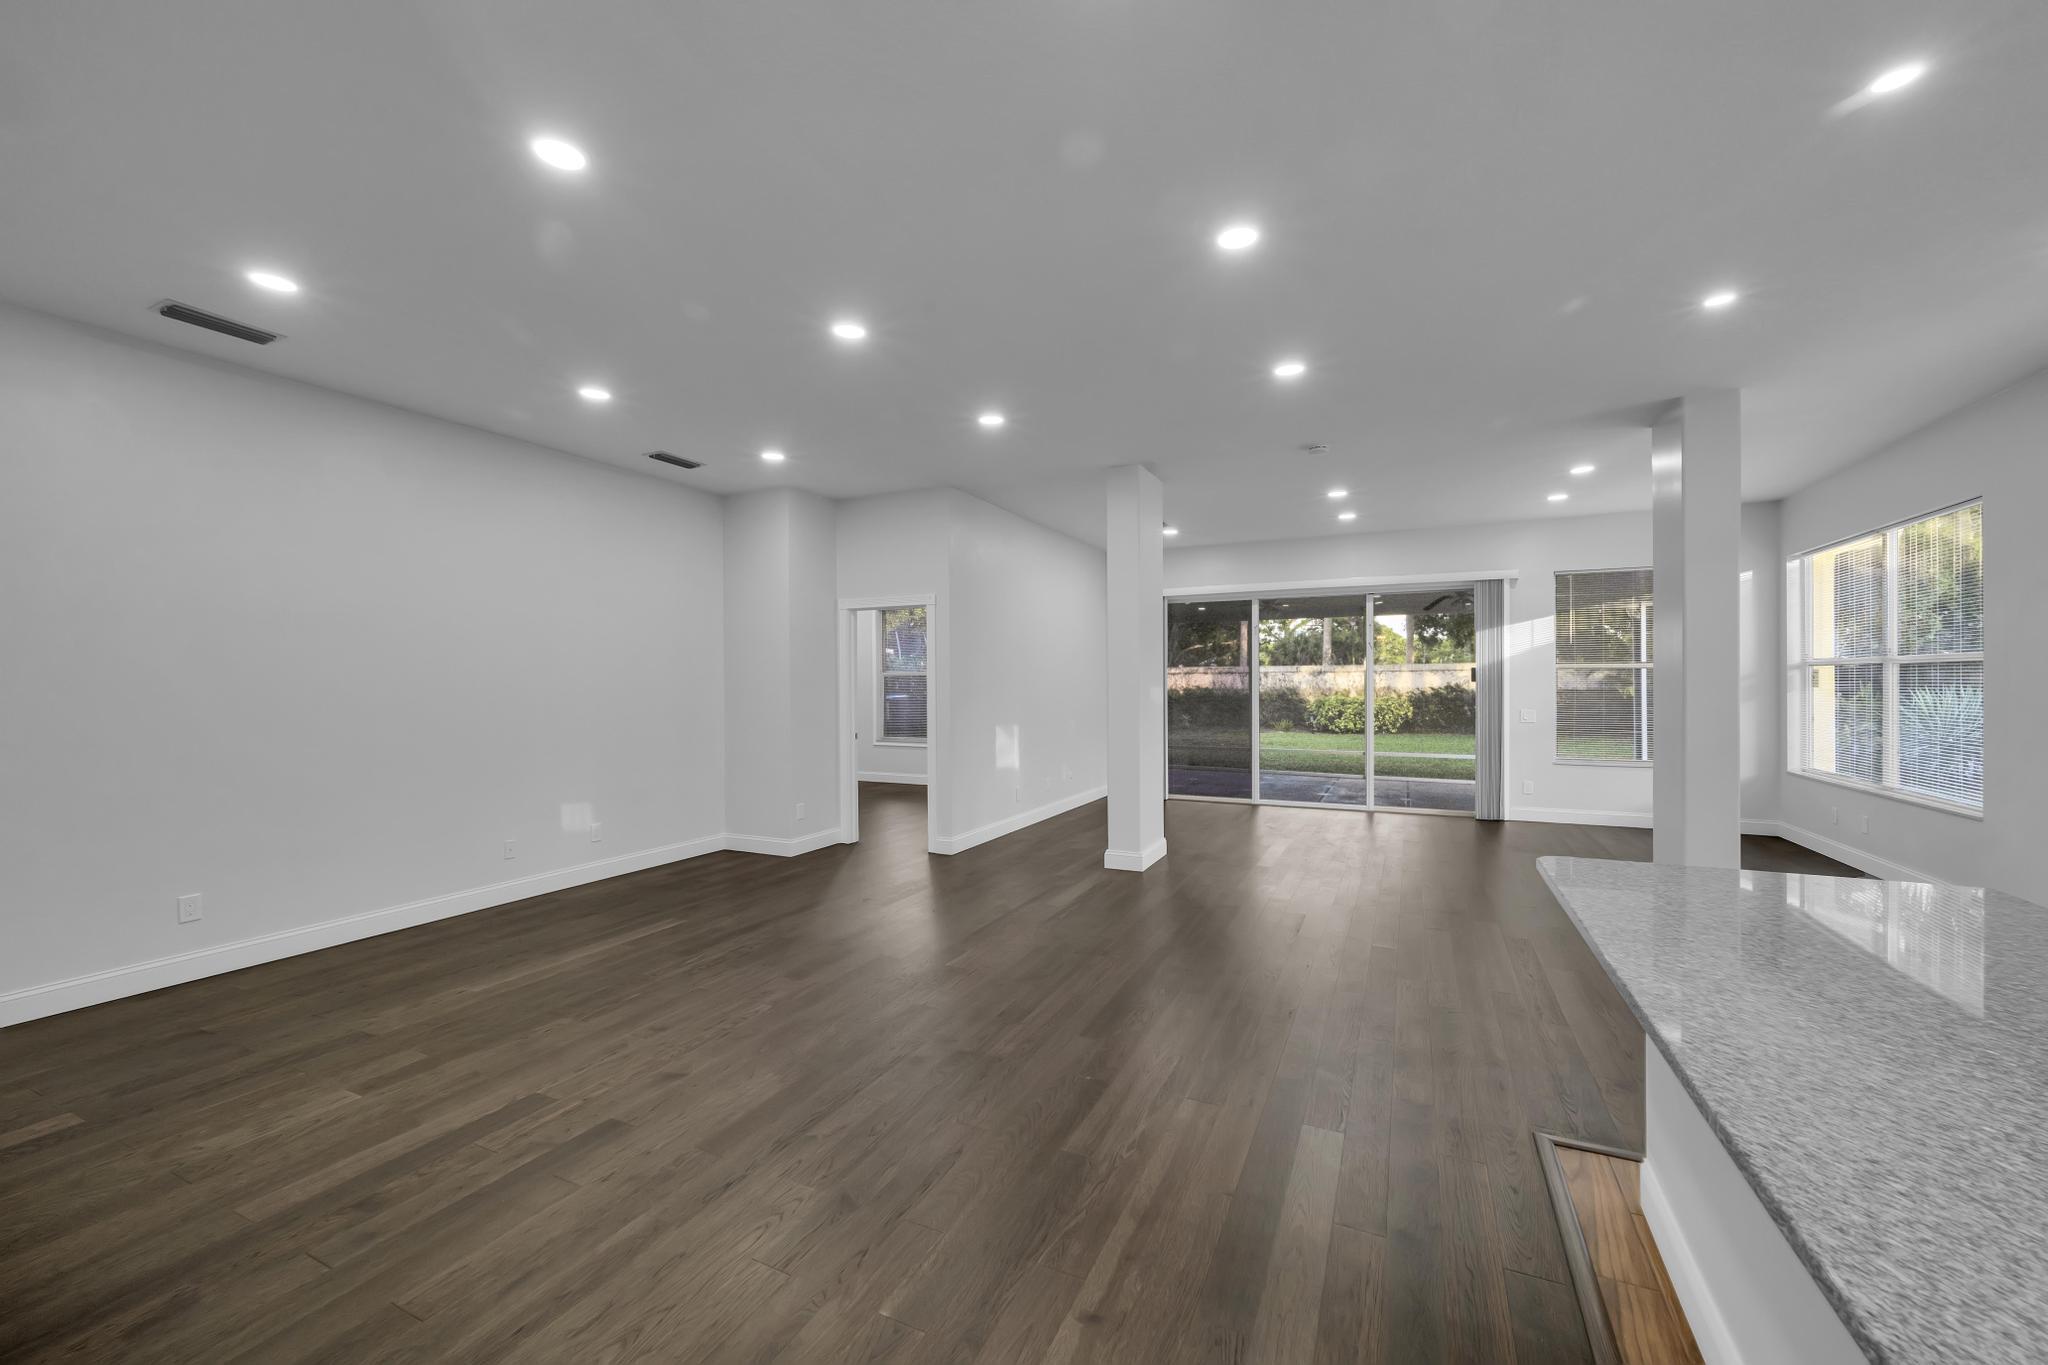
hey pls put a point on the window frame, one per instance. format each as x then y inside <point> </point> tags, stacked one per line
<point>1799,666</point>
<point>1646,667</point>
<point>883,673</point>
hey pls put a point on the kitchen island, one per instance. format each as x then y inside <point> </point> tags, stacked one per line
<point>1846,1106</point>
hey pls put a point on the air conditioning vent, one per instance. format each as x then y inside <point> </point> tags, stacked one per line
<point>212,322</point>
<point>678,461</point>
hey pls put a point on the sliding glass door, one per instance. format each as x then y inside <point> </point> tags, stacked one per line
<point>1346,699</point>
<point>1209,699</point>
<point>1424,702</point>
<point>1312,690</point>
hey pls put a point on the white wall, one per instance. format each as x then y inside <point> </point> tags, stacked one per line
<point>1028,732</point>
<point>1991,449</point>
<point>875,761</point>
<point>781,672</point>
<point>1761,653</point>
<point>314,658</point>
<point>1537,550</point>
<point>1018,686</point>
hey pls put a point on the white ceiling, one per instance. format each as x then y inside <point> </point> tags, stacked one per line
<point>1487,225</point>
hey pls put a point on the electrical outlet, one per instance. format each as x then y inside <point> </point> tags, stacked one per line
<point>1528,787</point>
<point>1528,715</point>
<point>509,854</point>
<point>799,812</point>
<point>596,832</point>
<point>1866,824</point>
<point>1834,815</point>
<point>189,908</point>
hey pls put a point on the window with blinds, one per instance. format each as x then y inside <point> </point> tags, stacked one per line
<point>903,677</point>
<point>1605,684</point>
<point>1886,644</point>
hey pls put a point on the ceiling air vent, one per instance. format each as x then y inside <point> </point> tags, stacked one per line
<point>678,461</point>
<point>212,322</point>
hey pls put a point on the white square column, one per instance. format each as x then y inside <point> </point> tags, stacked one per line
<point>1136,656</point>
<point>1696,525</point>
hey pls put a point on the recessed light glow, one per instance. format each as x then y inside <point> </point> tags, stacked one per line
<point>1580,471</point>
<point>773,456</point>
<point>1559,497</point>
<point>1896,79</point>
<point>1169,530</point>
<point>1238,237</point>
<point>271,280</point>
<point>1290,368</point>
<point>1201,608</point>
<point>1336,493</point>
<point>850,329</point>
<point>594,393</point>
<point>1719,299</point>
<point>991,419</point>
<point>563,156</point>
<point>1347,516</point>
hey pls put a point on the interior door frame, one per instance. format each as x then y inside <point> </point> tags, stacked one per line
<point>936,712</point>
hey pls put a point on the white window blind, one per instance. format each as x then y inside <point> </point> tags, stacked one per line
<point>1887,659</point>
<point>1605,675</point>
<point>903,675</point>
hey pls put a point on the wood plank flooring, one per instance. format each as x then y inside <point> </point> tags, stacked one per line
<point>1271,1101</point>
<point>1642,1307</point>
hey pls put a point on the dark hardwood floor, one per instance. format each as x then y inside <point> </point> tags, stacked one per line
<point>1271,1101</point>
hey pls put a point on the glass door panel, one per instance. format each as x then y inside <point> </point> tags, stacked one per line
<point>1209,699</point>
<point>1424,712</point>
<point>1312,700</point>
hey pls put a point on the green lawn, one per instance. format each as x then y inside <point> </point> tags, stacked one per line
<point>1300,751</point>
<point>1597,748</point>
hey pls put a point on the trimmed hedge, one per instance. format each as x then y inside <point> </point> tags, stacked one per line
<point>1449,709</point>
<point>1431,710</point>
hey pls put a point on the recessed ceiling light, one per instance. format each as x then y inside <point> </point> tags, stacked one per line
<point>1896,79</point>
<point>773,456</point>
<point>850,329</point>
<point>1719,299</point>
<point>1199,607</point>
<point>271,280</point>
<point>1347,516</point>
<point>1580,471</point>
<point>1290,368</point>
<point>1559,497</point>
<point>1238,237</point>
<point>1335,493</point>
<point>594,393</point>
<point>1169,530</point>
<point>563,156</point>
<point>991,419</point>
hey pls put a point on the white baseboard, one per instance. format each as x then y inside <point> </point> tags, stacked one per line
<point>1860,859</point>
<point>58,997</point>
<point>1560,815</point>
<point>996,829</point>
<point>905,779</point>
<point>1125,860</point>
<point>782,848</point>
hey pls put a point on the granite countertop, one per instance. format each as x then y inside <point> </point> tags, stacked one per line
<point>1874,1056</point>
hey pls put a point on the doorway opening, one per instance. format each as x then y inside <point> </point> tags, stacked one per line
<point>1358,699</point>
<point>889,713</point>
